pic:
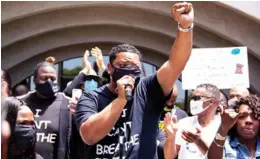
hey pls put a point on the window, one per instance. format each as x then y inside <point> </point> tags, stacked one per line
<point>68,69</point>
<point>71,68</point>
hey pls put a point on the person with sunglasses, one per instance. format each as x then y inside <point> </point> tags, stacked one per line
<point>192,136</point>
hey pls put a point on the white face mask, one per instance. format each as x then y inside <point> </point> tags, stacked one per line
<point>196,107</point>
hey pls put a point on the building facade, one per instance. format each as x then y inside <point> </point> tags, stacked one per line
<point>32,31</point>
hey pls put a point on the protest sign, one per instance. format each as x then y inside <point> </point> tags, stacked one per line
<point>224,67</point>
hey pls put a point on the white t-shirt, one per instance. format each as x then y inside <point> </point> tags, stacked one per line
<point>190,150</point>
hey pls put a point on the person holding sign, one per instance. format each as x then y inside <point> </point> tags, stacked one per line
<point>120,120</point>
<point>192,136</point>
<point>238,135</point>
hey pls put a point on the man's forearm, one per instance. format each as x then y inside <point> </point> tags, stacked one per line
<point>169,149</point>
<point>203,147</point>
<point>217,147</point>
<point>215,151</point>
<point>181,49</point>
<point>100,124</point>
<point>180,53</point>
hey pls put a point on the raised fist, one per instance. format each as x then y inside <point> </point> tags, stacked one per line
<point>183,14</point>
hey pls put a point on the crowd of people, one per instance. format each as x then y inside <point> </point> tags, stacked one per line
<point>117,115</point>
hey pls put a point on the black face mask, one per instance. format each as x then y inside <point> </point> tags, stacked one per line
<point>130,70</point>
<point>24,138</point>
<point>47,89</point>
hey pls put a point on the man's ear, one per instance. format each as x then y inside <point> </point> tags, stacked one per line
<point>4,84</point>
<point>213,101</point>
<point>109,69</point>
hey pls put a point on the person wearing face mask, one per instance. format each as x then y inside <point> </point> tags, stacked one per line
<point>23,131</point>
<point>87,79</point>
<point>236,93</point>
<point>192,136</point>
<point>52,116</point>
<point>239,132</point>
<point>120,119</point>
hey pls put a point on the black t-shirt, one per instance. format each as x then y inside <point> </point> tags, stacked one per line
<point>46,114</point>
<point>138,123</point>
<point>38,156</point>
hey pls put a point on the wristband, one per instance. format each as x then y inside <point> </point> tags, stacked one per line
<point>220,137</point>
<point>217,144</point>
<point>185,29</point>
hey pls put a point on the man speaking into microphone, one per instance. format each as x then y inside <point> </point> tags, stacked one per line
<point>120,120</point>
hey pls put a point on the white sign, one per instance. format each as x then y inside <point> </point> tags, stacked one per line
<point>224,67</point>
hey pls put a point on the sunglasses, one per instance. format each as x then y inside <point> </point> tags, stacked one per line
<point>198,97</point>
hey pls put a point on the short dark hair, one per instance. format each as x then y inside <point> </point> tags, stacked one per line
<point>123,48</point>
<point>39,65</point>
<point>20,89</point>
<point>253,101</point>
<point>6,77</point>
<point>106,77</point>
<point>10,107</point>
<point>212,89</point>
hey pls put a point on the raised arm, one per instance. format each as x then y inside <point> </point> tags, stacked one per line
<point>170,149</point>
<point>229,118</point>
<point>96,52</point>
<point>85,63</point>
<point>181,49</point>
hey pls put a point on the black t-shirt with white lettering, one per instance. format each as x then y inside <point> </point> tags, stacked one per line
<point>46,114</point>
<point>137,125</point>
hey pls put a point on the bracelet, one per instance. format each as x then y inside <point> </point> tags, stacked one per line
<point>185,29</point>
<point>218,144</point>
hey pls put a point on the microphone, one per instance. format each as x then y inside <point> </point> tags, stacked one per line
<point>128,92</point>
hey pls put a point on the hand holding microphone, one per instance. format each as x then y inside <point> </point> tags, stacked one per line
<point>128,92</point>
<point>125,85</point>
